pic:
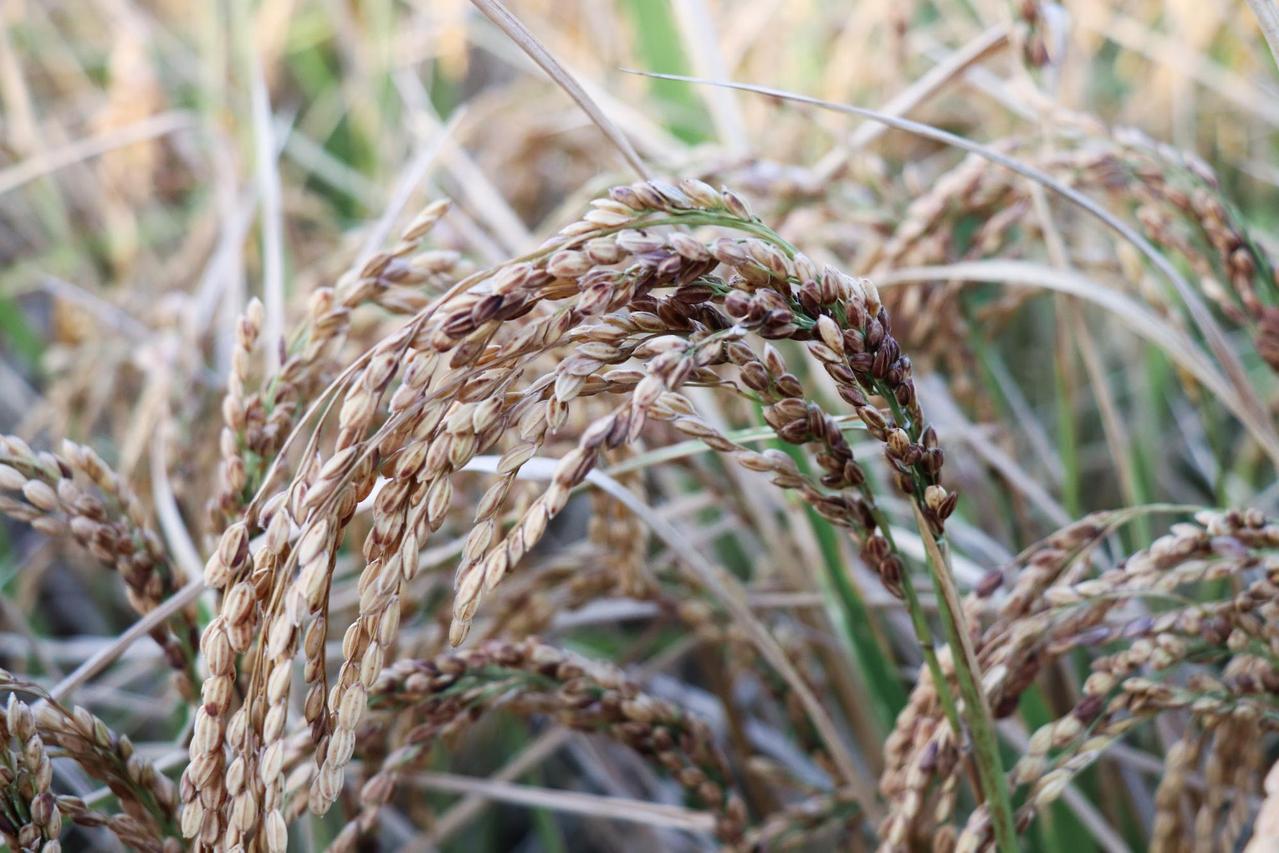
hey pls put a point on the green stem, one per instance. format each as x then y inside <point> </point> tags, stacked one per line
<point>923,633</point>
<point>990,768</point>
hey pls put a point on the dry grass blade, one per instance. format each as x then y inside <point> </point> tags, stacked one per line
<point>518,33</point>
<point>408,182</point>
<point>465,810</point>
<point>52,160</point>
<point>1267,14</point>
<point>170,517</point>
<point>265,152</point>
<point>477,190</point>
<point>1131,313</point>
<point>975,51</point>
<point>104,657</point>
<point>616,808</point>
<point>1242,92</point>
<point>951,419</point>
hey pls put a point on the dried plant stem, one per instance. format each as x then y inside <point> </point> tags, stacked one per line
<point>975,51</point>
<point>184,597</point>
<point>518,33</point>
<point>1267,15</point>
<point>48,161</point>
<point>571,802</point>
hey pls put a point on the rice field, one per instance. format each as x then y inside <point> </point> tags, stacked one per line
<point>639,425</point>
